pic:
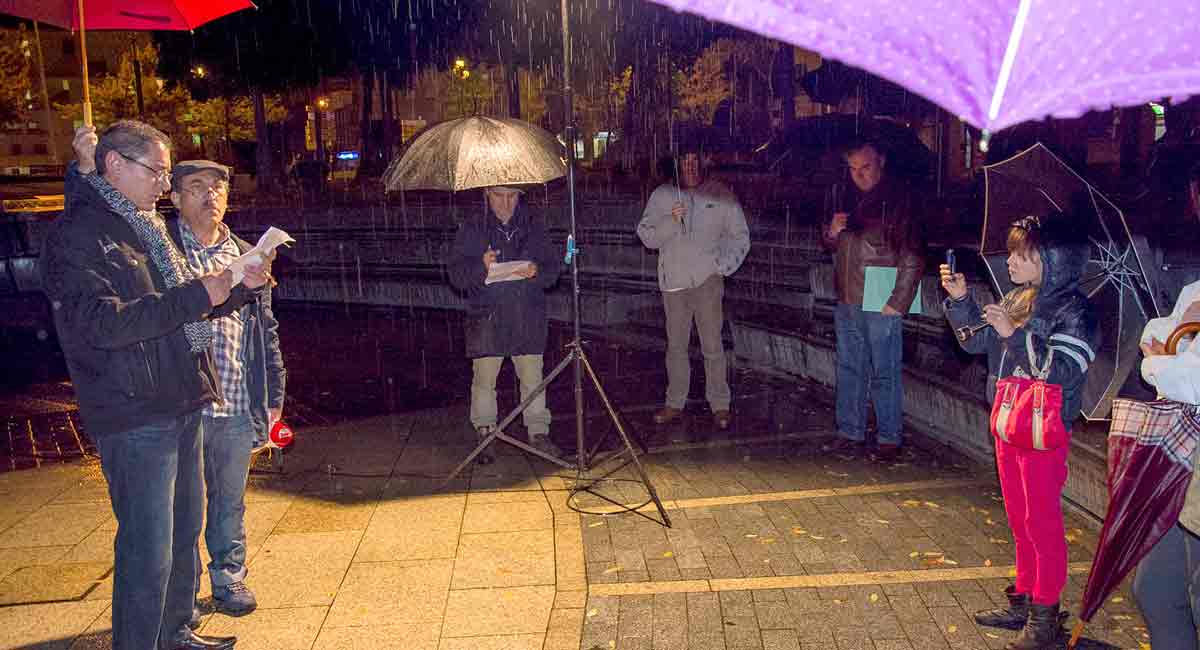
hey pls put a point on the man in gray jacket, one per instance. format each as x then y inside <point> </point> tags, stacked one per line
<point>699,230</point>
<point>249,366</point>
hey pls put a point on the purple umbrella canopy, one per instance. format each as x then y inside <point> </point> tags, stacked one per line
<point>994,63</point>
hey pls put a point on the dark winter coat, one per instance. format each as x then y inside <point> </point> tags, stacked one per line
<point>120,327</point>
<point>265,375</point>
<point>1062,320</point>
<point>504,318</point>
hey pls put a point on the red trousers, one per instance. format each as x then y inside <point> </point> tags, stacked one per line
<point>1032,483</point>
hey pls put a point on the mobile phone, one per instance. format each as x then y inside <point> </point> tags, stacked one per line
<point>951,261</point>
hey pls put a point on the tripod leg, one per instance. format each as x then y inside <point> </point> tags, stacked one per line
<point>625,438</point>
<point>499,431</point>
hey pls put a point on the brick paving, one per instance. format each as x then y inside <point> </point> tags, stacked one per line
<point>776,543</point>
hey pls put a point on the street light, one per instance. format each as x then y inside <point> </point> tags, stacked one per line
<point>462,73</point>
<point>322,103</point>
<point>199,71</point>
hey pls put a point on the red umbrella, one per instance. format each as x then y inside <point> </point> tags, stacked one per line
<point>123,15</point>
<point>1150,447</point>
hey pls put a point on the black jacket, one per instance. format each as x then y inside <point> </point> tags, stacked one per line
<point>265,375</point>
<point>505,318</point>
<point>1062,320</point>
<point>120,328</point>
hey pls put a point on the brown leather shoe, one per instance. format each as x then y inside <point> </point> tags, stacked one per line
<point>667,414</point>
<point>722,419</point>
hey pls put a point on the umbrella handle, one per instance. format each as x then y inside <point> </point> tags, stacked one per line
<point>1184,329</point>
<point>87,95</point>
<point>1075,634</point>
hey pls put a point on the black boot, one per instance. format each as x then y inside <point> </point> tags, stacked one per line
<point>485,457</point>
<point>1012,617</point>
<point>1041,631</point>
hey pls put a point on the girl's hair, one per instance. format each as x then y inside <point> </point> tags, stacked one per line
<point>1024,239</point>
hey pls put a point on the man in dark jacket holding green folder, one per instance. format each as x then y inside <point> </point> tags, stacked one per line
<point>882,231</point>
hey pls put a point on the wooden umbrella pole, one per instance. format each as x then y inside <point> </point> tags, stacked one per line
<point>87,94</point>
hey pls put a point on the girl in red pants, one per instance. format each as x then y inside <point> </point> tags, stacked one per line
<point>1044,320</point>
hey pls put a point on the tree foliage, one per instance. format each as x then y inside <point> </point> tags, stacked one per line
<point>15,72</point>
<point>218,121</point>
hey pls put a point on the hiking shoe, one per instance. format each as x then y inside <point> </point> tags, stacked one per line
<point>667,414</point>
<point>887,452</point>
<point>722,419</point>
<point>234,599</point>
<point>544,444</point>
<point>1012,617</point>
<point>485,457</point>
<point>840,445</point>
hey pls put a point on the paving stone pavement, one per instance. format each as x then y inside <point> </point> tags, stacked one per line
<point>775,544</point>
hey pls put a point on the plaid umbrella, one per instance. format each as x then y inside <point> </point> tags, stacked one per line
<point>1150,448</point>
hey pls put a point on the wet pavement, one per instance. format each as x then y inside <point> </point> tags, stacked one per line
<point>776,543</point>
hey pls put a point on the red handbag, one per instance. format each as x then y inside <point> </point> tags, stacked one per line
<point>1027,413</point>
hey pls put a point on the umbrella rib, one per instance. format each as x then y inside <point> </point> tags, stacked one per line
<point>1010,55</point>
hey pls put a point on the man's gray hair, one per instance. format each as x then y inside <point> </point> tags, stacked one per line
<point>129,138</point>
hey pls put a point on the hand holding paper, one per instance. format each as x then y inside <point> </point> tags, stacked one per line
<point>509,271</point>
<point>261,254</point>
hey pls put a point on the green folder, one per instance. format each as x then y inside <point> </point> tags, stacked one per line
<point>878,287</point>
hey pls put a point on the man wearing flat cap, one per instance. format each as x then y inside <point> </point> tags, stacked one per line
<point>250,370</point>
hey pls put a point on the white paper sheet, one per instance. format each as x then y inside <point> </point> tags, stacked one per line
<point>256,256</point>
<point>505,271</point>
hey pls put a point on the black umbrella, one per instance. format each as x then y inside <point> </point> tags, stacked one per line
<point>1036,182</point>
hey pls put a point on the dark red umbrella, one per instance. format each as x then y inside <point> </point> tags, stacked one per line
<point>1150,446</point>
<point>122,15</point>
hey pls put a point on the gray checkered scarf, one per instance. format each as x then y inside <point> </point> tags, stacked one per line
<point>152,232</point>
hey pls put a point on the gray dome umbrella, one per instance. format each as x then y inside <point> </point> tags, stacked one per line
<point>475,152</point>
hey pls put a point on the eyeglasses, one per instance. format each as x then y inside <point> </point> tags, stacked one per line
<point>160,175</point>
<point>201,191</point>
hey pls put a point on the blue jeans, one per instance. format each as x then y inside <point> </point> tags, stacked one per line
<point>227,445</point>
<point>154,482</point>
<point>1167,590</point>
<point>870,348</point>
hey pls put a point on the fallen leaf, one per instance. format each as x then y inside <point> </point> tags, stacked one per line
<point>595,524</point>
<point>592,612</point>
<point>874,598</point>
<point>989,522</point>
<point>951,628</point>
<point>992,636</point>
<point>798,531</point>
<point>910,503</point>
<point>933,554</point>
<point>987,563</point>
<point>767,540</point>
<point>913,554</point>
<point>885,522</point>
<point>950,562</point>
<point>750,535</point>
<point>612,569</point>
<point>932,505</point>
<point>1122,617</point>
<point>997,540</point>
<point>816,537</point>
<point>837,601</point>
<point>669,554</point>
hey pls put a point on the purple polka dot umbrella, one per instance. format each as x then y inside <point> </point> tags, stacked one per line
<point>994,63</point>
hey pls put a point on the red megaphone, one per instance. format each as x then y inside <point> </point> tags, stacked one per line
<point>282,435</point>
